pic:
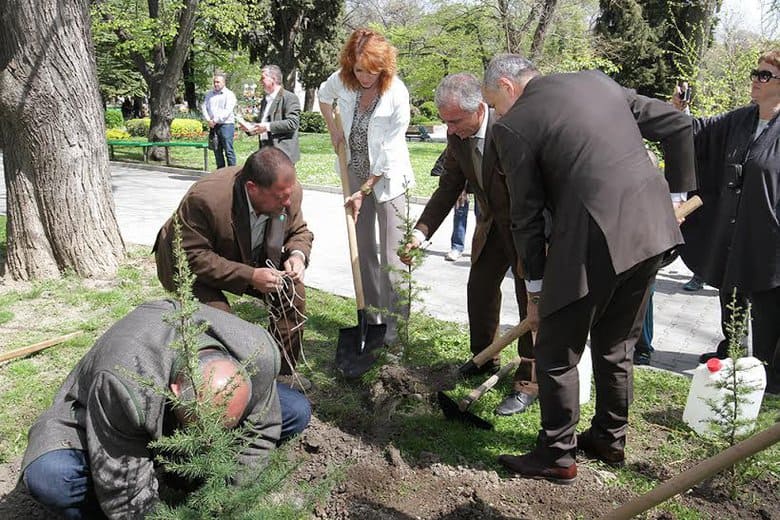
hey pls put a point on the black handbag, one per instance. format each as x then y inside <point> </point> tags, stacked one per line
<point>213,139</point>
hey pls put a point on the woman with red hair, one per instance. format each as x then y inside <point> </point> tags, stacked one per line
<point>374,107</point>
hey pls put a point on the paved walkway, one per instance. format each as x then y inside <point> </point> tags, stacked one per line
<point>686,324</point>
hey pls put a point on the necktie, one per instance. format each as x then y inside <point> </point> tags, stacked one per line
<point>476,155</point>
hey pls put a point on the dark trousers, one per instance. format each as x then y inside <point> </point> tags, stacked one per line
<point>612,312</point>
<point>765,323</point>
<point>61,479</point>
<point>285,317</point>
<point>484,303</point>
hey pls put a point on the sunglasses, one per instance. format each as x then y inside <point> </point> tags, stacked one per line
<point>763,76</point>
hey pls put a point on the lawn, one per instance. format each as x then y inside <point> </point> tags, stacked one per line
<point>316,166</point>
<point>405,419</point>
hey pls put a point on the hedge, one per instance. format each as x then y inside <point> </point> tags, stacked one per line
<point>313,122</point>
<point>180,128</point>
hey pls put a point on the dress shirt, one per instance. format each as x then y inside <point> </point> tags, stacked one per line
<point>218,106</point>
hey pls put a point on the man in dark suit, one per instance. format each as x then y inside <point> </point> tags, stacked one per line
<point>280,115</point>
<point>572,144</point>
<point>243,232</point>
<point>470,157</point>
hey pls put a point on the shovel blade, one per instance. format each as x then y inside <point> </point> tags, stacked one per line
<point>452,411</point>
<point>357,351</point>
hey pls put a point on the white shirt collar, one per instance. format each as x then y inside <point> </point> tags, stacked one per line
<point>483,127</point>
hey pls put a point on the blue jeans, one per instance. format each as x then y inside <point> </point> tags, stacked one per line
<point>61,481</point>
<point>460,218</point>
<point>645,342</point>
<point>224,149</point>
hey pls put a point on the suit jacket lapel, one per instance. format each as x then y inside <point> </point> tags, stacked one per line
<point>241,222</point>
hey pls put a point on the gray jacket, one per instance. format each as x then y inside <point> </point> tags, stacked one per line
<point>104,409</point>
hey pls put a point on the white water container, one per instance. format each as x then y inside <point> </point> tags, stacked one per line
<point>585,368</point>
<point>699,415</point>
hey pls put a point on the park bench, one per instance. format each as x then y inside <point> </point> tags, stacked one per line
<point>417,132</point>
<point>167,145</point>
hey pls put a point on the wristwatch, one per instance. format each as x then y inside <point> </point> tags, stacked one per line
<point>535,298</point>
<point>366,190</point>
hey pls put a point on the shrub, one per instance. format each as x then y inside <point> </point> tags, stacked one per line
<point>114,119</point>
<point>138,127</point>
<point>429,110</point>
<point>117,134</point>
<point>313,122</point>
<point>186,128</point>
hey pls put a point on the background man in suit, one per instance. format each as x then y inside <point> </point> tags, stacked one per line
<point>572,143</point>
<point>88,454</point>
<point>470,157</point>
<point>281,115</point>
<point>243,232</point>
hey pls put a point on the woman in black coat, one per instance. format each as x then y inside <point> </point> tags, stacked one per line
<point>734,241</point>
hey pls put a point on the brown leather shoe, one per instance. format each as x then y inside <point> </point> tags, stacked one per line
<point>530,466</point>
<point>598,448</point>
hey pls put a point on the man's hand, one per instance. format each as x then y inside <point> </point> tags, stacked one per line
<point>407,258</point>
<point>267,280</point>
<point>259,128</point>
<point>212,124</point>
<point>533,311</point>
<point>355,201</point>
<point>335,139</point>
<point>463,199</point>
<point>677,96</point>
<point>295,268</point>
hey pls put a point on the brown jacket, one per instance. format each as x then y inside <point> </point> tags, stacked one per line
<point>214,215</point>
<point>492,197</point>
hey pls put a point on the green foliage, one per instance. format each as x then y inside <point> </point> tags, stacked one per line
<point>187,128</point>
<point>429,111</point>
<point>117,134</point>
<point>138,127</point>
<point>113,118</point>
<point>313,122</point>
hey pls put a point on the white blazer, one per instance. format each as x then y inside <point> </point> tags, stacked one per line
<point>388,154</point>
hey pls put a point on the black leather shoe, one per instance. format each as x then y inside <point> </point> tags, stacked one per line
<point>531,466</point>
<point>516,402</point>
<point>599,448</point>
<point>488,369</point>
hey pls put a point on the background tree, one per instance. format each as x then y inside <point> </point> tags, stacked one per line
<point>60,208</point>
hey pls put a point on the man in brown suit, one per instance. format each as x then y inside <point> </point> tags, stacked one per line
<point>572,144</point>
<point>470,157</point>
<point>243,232</point>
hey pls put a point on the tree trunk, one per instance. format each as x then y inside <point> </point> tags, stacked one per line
<point>537,45</point>
<point>190,90</point>
<point>60,207</point>
<point>308,101</point>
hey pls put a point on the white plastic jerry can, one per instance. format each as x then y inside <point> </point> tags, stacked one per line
<point>705,392</point>
<point>585,368</point>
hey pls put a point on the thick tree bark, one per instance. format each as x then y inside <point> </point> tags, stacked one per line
<point>308,101</point>
<point>60,207</point>
<point>548,10</point>
<point>190,89</point>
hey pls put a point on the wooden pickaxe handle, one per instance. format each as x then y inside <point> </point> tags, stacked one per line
<point>478,392</point>
<point>688,207</point>
<point>501,342</point>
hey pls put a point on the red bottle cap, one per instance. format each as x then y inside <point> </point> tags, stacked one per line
<point>714,364</point>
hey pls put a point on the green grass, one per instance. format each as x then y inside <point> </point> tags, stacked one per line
<point>659,443</point>
<point>316,166</point>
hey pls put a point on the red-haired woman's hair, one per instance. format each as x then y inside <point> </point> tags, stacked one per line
<point>371,51</point>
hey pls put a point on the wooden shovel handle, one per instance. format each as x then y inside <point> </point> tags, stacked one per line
<point>501,342</point>
<point>354,260</point>
<point>688,207</point>
<point>19,352</point>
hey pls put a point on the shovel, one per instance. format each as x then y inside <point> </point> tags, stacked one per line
<point>358,346</point>
<point>459,410</point>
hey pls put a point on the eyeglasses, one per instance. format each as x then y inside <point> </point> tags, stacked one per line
<point>763,76</point>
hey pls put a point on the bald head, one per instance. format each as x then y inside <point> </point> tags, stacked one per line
<point>224,380</point>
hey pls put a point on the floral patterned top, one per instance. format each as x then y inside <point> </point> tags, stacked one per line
<point>358,139</point>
